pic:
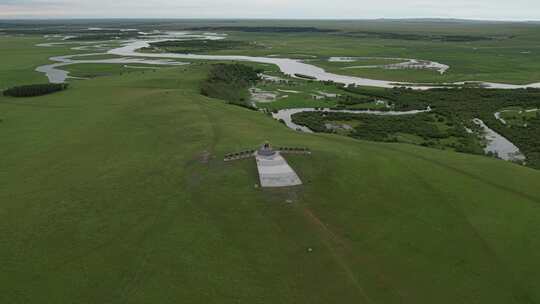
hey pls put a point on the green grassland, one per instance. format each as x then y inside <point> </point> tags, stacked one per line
<point>496,61</point>
<point>115,191</point>
<point>20,57</point>
<point>93,70</point>
<point>519,117</point>
<point>357,62</point>
<point>296,93</point>
<point>358,68</point>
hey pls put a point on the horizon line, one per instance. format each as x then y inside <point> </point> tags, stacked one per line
<point>273,18</point>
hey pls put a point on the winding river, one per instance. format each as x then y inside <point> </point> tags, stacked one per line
<point>57,75</point>
<point>287,66</point>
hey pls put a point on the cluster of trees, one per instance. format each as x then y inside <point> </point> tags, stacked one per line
<point>35,90</point>
<point>374,127</point>
<point>349,100</point>
<point>200,46</point>
<point>465,103</point>
<point>230,82</point>
<point>400,98</point>
<point>346,101</point>
<point>105,35</point>
<point>387,128</point>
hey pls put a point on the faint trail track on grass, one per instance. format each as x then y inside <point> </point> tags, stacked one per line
<point>473,176</point>
<point>468,174</point>
<point>156,228</point>
<point>330,239</point>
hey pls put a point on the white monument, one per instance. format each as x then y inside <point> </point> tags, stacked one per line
<point>274,171</point>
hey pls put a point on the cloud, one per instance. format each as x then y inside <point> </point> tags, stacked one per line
<point>26,3</point>
<point>29,8</point>
<point>479,9</point>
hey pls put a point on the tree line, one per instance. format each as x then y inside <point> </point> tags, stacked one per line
<point>200,46</point>
<point>265,29</point>
<point>421,37</point>
<point>35,89</point>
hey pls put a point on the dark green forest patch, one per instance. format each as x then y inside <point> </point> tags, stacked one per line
<point>35,90</point>
<point>230,82</point>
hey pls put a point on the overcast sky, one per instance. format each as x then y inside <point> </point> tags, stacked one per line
<point>470,9</point>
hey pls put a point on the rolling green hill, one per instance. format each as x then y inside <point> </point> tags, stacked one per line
<point>114,191</point>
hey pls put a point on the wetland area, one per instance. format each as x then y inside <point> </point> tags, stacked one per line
<point>129,52</point>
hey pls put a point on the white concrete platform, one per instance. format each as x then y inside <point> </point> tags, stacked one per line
<point>274,171</point>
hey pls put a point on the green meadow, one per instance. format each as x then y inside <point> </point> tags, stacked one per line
<point>115,191</point>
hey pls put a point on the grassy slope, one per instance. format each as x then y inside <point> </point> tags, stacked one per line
<point>104,198</point>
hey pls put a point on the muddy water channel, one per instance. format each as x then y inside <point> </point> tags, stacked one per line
<point>499,145</point>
